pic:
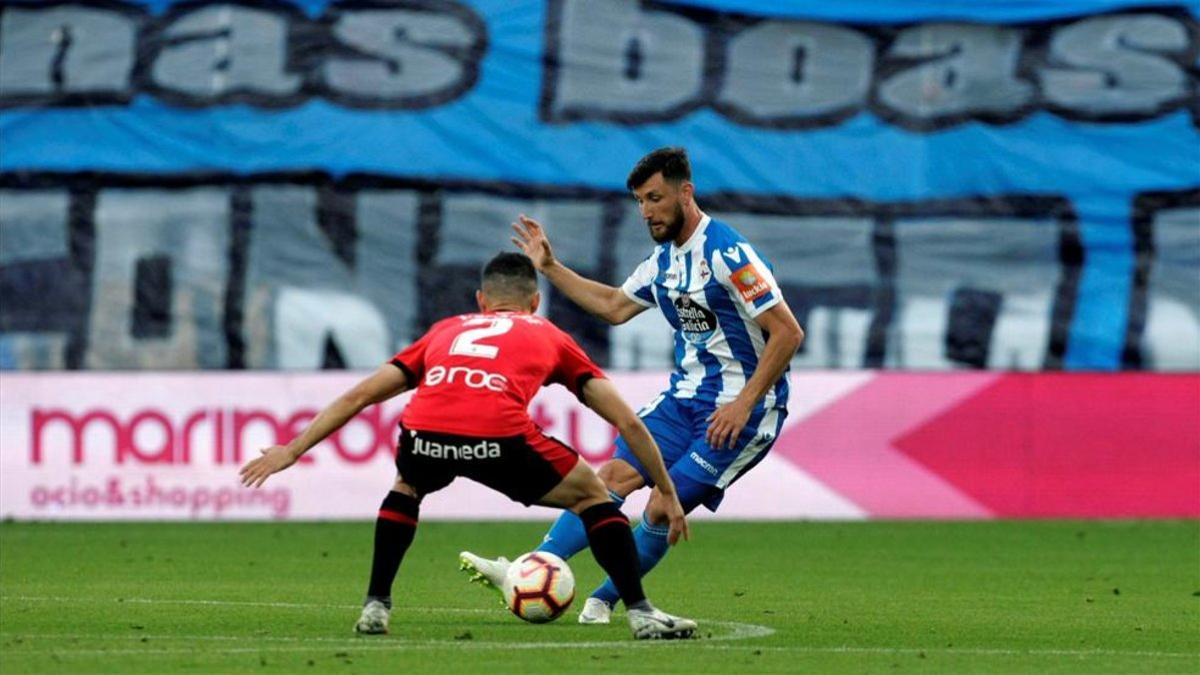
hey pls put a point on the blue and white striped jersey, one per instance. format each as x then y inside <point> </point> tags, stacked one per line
<point>710,289</point>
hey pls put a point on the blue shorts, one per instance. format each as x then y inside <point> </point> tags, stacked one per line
<point>700,472</point>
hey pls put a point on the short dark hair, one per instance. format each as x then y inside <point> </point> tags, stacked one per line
<point>671,161</point>
<point>509,275</point>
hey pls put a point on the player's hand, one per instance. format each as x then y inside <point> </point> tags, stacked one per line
<point>531,239</point>
<point>676,519</point>
<point>273,460</point>
<point>725,424</point>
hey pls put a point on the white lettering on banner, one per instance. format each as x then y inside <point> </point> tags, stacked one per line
<point>774,71</point>
<point>466,451</point>
<point>471,377</point>
<point>307,320</point>
<point>787,74</point>
<point>117,494</point>
<point>209,55</point>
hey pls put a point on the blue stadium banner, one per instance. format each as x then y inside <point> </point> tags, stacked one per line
<point>266,184</point>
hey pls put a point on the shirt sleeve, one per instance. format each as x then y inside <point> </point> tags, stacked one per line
<point>574,367</point>
<point>411,359</point>
<point>639,287</point>
<point>748,278</point>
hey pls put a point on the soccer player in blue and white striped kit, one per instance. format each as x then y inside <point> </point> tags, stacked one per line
<point>734,339</point>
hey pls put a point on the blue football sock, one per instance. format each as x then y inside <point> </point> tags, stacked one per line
<point>567,536</point>
<point>652,545</point>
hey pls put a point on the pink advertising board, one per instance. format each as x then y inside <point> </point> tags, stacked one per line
<point>855,445</point>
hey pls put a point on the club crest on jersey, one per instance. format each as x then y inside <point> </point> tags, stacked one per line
<point>703,270</point>
<point>749,282</point>
<point>696,322</point>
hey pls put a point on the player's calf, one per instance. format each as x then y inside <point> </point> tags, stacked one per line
<point>395,527</point>
<point>612,545</point>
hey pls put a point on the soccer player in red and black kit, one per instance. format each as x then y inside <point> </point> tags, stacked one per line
<point>475,375</point>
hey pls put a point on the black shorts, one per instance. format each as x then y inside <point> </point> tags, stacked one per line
<point>524,467</point>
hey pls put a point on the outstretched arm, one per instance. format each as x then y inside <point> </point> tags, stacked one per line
<point>608,303</point>
<point>384,383</point>
<point>601,395</point>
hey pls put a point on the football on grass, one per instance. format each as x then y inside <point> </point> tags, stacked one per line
<point>539,587</point>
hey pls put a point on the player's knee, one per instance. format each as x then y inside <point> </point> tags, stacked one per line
<point>593,491</point>
<point>655,513</point>
<point>582,489</point>
<point>585,501</point>
<point>607,473</point>
<point>405,489</point>
<point>620,477</point>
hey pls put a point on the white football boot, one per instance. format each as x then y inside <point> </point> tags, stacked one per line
<point>485,572</point>
<point>374,619</point>
<point>595,610</point>
<point>655,624</point>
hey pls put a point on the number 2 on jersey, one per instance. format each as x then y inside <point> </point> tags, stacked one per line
<point>467,343</point>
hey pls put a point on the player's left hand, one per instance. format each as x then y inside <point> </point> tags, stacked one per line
<point>725,424</point>
<point>273,460</point>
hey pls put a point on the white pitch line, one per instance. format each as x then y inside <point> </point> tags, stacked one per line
<point>240,603</point>
<point>738,630</point>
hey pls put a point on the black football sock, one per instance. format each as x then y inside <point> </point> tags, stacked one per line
<point>394,531</point>
<point>612,544</point>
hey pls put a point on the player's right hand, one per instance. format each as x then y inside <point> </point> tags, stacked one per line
<point>273,460</point>
<point>531,239</point>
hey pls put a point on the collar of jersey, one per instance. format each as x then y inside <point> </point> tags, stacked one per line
<point>691,242</point>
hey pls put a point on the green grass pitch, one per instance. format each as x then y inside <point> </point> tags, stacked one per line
<point>1038,597</point>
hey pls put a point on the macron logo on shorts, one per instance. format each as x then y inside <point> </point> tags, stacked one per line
<point>704,464</point>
